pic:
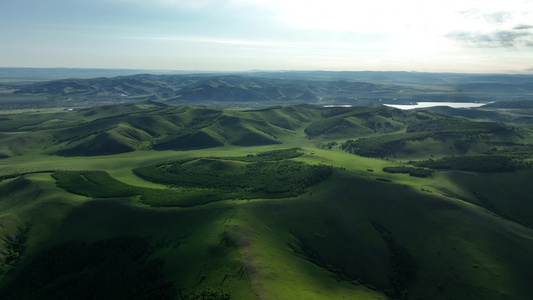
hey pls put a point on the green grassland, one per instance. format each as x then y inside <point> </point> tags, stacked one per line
<point>185,202</point>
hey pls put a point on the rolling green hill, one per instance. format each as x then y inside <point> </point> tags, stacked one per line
<point>153,201</point>
<point>145,126</point>
<point>374,131</point>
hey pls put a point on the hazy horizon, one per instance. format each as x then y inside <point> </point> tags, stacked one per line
<point>246,35</point>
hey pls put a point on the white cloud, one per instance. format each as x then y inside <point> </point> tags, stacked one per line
<point>495,39</point>
<point>195,4</point>
<point>498,17</point>
<point>215,40</point>
<point>397,17</point>
<point>504,24</point>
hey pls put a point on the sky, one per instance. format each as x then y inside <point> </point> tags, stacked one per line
<point>473,36</point>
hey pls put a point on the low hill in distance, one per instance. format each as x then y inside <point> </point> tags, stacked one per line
<point>262,89</point>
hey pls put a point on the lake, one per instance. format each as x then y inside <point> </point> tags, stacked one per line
<point>433,104</point>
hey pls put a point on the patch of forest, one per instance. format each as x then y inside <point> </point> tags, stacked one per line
<point>474,163</point>
<point>276,179</point>
<point>455,124</point>
<point>383,146</point>
<point>415,172</point>
<point>264,175</point>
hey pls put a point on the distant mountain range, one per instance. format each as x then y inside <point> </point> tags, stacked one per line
<point>274,88</point>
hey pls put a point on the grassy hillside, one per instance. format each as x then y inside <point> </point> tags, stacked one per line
<point>186,202</point>
<point>270,249</point>
<point>433,135</point>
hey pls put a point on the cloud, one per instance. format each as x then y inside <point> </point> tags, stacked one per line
<point>495,39</point>
<point>215,40</point>
<point>498,17</point>
<point>486,28</point>
<point>193,4</point>
<point>522,27</point>
<point>470,13</point>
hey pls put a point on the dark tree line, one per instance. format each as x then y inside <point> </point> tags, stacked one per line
<point>403,265</point>
<point>415,172</point>
<point>474,163</point>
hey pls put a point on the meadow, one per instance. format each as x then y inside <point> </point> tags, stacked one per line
<point>180,202</point>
